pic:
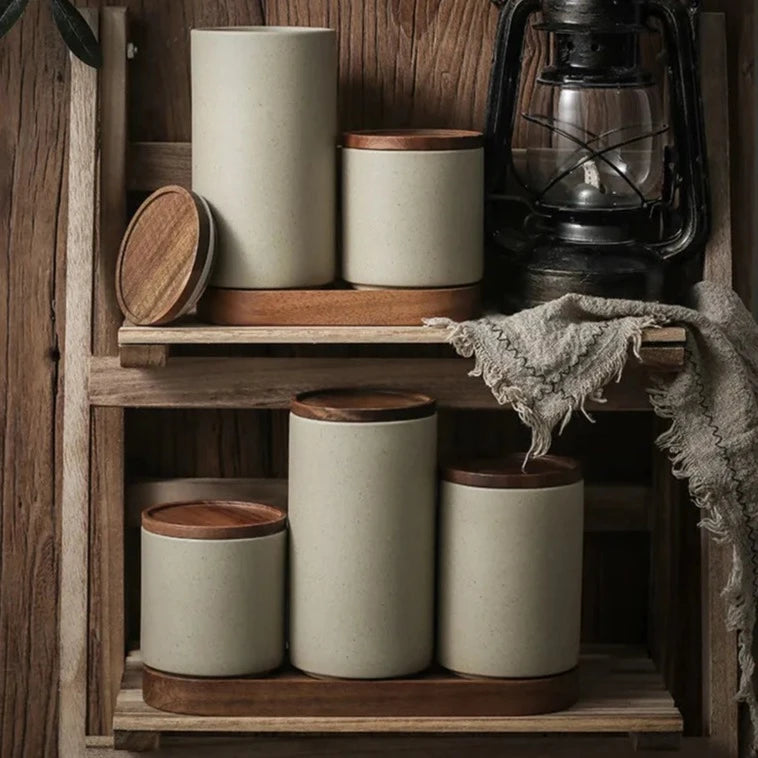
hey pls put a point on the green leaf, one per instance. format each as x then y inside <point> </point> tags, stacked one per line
<point>10,12</point>
<point>77,33</point>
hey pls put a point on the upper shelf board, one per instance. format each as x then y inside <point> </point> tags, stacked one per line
<point>191,332</point>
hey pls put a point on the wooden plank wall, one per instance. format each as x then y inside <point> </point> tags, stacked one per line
<point>33,131</point>
<point>418,62</point>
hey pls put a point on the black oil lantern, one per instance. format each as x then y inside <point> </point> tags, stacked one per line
<point>596,165</point>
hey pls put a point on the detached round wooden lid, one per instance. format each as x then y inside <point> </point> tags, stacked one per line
<point>413,139</point>
<point>166,257</point>
<point>213,520</point>
<point>509,472</point>
<point>362,405</point>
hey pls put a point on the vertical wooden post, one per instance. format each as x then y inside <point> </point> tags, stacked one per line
<point>106,651</point>
<point>720,711</point>
<point>75,456</point>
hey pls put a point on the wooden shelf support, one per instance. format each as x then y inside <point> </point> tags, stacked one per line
<point>110,366</point>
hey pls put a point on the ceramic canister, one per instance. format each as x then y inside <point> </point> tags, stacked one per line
<point>362,533</point>
<point>413,208</point>
<point>510,567</point>
<point>213,588</point>
<point>264,128</point>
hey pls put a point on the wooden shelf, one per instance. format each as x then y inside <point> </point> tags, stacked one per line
<point>620,693</point>
<point>149,347</point>
<point>191,332</point>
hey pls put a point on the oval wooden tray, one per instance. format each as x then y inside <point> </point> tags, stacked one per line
<point>292,693</point>
<point>337,307</point>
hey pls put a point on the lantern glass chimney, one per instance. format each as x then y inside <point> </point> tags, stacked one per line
<point>598,147</point>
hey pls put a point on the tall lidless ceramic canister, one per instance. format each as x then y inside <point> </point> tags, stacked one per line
<point>264,140</point>
<point>413,208</point>
<point>213,575</point>
<point>510,567</point>
<point>362,533</point>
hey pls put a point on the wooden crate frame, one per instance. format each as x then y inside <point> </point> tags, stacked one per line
<point>108,368</point>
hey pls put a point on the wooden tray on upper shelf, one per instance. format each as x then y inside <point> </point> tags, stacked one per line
<point>337,307</point>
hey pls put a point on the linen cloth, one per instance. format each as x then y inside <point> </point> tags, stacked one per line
<point>548,361</point>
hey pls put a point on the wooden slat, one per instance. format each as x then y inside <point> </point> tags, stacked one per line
<point>272,382</point>
<point>616,507</point>
<point>191,332</point>
<point>662,741</point>
<point>607,507</point>
<point>720,711</point>
<point>143,356</point>
<point>404,62</point>
<point>33,138</point>
<point>618,695</point>
<point>674,609</point>
<point>737,72</point>
<point>718,259</point>
<point>411,746</point>
<point>155,164</point>
<point>76,415</point>
<point>106,583</point>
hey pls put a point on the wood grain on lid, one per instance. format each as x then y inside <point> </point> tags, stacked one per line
<point>362,405</point>
<point>508,472</point>
<point>163,256</point>
<point>413,139</point>
<point>213,520</point>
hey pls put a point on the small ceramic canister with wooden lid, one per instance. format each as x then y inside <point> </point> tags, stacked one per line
<point>362,533</point>
<point>213,588</point>
<point>510,567</point>
<point>413,208</point>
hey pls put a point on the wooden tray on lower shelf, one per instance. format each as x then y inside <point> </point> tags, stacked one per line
<point>292,693</point>
<point>620,692</point>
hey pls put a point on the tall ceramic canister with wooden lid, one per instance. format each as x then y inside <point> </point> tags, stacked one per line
<point>213,577</point>
<point>413,208</point>
<point>362,533</point>
<point>510,567</point>
<point>264,133</point>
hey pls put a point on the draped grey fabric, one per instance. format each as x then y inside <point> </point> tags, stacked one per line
<point>547,362</point>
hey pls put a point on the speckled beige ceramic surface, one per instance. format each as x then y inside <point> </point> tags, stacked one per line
<point>213,607</point>
<point>510,568</point>
<point>362,541</point>
<point>264,125</point>
<point>412,218</point>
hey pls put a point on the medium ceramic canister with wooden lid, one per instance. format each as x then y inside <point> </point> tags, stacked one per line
<point>413,208</point>
<point>213,576</point>
<point>510,567</point>
<point>362,533</point>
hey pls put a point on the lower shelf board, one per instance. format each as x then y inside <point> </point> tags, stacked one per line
<point>620,692</point>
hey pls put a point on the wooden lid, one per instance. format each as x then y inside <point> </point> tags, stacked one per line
<point>508,472</point>
<point>166,257</point>
<point>362,405</point>
<point>213,520</point>
<point>413,139</point>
